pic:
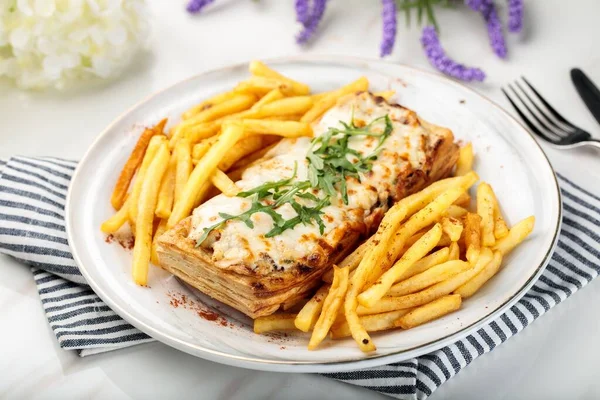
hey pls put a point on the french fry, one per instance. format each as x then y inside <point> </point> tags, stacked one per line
<point>318,96</point>
<point>234,105</point>
<point>241,149</point>
<point>452,227</point>
<point>329,101</point>
<point>224,184</point>
<point>203,194</point>
<point>331,305</point>
<point>252,157</point>
<point>516,235</point>
<point>162,228</point>
<point>464,200</point>
<point>387,95</point>
<point>144,223</point>
<point>422,218</point>
<point>285,106</point>
<point>275,322</point>
<point>469,288</point>
<point>270,97</point>
<point>184,166</point>
<point>417,201</point>
<point>465,160</point>
<point>351,261</point>
<point>417,251</point>
<point>429,277</point>
<point>500,227</point>
<point>153,146</point>
<point>307,317</point>
<point>203,171</point>
<point>413,239</point>
<point>372,323</point>
<point>260,69</point>
<point>454,253</point>
<point>133,162</point>
<point>439,257</point>
<point>260,86</point>
<point>472,236</point>
<point>217,99</point>
<point>166,194</point>
<point>428,312</point>
<point>289,129</point>
<point>455,211</point>
<point>198,132</point>
<point>390,303</point>
<point>200,149</point>
<point>116,221</point>
<point>485,209</point>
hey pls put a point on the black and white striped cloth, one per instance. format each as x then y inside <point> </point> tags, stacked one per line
<point>32,196</point>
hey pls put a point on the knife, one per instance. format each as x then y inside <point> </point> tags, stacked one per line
<point>588,92</point>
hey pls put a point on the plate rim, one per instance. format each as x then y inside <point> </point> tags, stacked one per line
<point>258,363</point>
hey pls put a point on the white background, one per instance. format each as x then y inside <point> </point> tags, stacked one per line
<point>556,357</point>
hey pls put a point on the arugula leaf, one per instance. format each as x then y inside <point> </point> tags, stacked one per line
<point>329,165</point>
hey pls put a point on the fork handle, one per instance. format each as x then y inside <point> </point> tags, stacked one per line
<point>592,143</point>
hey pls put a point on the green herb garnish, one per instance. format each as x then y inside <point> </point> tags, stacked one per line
<point>279,192</point>
<point>328,167</point>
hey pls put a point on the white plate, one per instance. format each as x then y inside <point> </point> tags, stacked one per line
<point>507,157</point>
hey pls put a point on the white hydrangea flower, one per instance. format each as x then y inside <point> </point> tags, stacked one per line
<point>53,42</point>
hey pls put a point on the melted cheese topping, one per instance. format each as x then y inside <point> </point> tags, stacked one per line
<point>238,244</point>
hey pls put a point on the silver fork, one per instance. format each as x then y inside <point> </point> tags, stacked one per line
<point>550,125</point>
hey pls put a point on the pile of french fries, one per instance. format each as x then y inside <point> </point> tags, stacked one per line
<point>430,252</point>
<point>169,174</point>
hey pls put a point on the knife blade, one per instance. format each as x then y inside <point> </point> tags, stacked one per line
<point>588,92</point>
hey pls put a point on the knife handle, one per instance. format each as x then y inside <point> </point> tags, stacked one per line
<point>588,92</point>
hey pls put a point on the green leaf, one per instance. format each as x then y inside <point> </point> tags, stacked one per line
<point>430,15</point>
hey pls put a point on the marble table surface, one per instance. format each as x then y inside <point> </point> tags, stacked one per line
<point>556,357</point>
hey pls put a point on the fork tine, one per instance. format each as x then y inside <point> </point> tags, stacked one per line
<point>531,126</point>
<point>535,116</point>
<point>558,130</point>
<point>548,106</point>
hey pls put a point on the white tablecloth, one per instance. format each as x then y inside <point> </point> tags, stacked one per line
<point>556,357</point>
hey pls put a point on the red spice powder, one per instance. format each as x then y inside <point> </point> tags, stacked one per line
<point>181,300</point>
<point>208,315</point>
<point>126,242</point>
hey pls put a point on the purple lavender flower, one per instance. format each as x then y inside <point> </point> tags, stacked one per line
<point>302,11</point>
<point>389,27</point>
<point>515,15</point>
<point>315,16</point>
<point>494,27</point>
<point>438,58</point>
<point>476,5</point>
<point>195,6</point>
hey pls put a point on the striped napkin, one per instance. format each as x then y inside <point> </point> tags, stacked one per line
<point>32,229</point>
